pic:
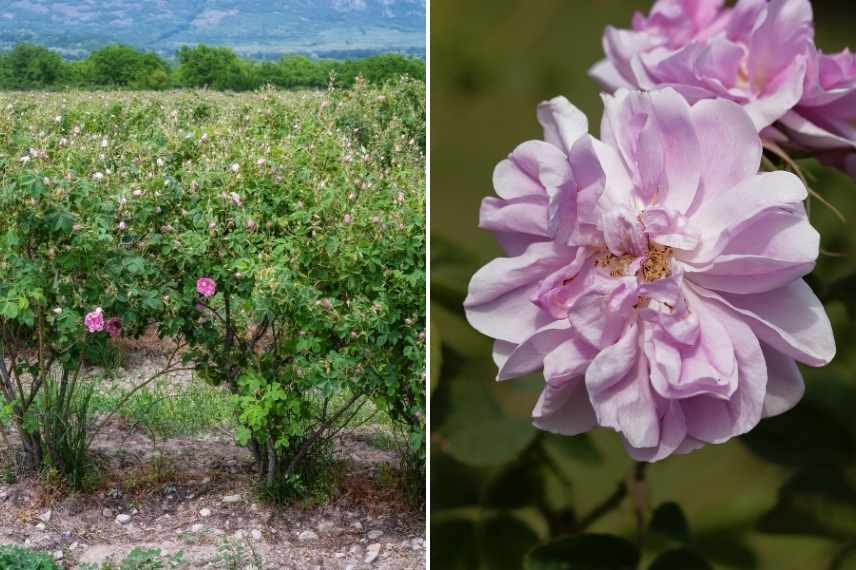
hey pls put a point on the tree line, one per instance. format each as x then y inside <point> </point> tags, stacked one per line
<point>30,66</point>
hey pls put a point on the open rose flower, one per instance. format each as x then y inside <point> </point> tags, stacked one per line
<point>824,121</point>
<point>113,326</point>
<point>206,286</point>
<point>654,275</point>
<point>755,53</point>
<point>94,320</point>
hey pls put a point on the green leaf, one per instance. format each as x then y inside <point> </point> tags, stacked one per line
<point>807,435</point>
<point>490,442</point>
<point>453,544</point>
<point>485,542</point>
<point>680,559</point>
<point>669,521</point>
<point>815,501</point>
<point>243,435</point>
<point>9,308</point>
<point>579,448</point>
<point>136,265</point>
<point>505,542</point>
<point>584,552</point>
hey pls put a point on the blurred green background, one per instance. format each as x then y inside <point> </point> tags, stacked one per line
<point>783,497</point>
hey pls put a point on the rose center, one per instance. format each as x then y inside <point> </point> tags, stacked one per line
<point>655,264</point>
<point>658,263</point>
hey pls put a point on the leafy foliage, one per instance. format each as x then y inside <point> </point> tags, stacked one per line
<point>24,559</point>
<point>30,66</point>
<point>306,212</point>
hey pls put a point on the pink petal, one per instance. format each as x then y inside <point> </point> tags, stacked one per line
<point>563,123</point>
<point>716,420</point>
<point>565,409</point>
<point>722,124</point>
<point>785,386</point>
<point>526,215</point>
<point>607,76</point>
<point>791,320</point>
<point>736,209</point>
<point>618,385</point>
<point>673,433</point>
<point>529,169</point>
<point>786,33</point>
<point>529,355</point>
<point>499,301</point>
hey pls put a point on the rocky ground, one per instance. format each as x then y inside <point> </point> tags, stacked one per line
<point>196,495</point>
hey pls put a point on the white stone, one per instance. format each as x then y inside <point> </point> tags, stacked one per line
<point>240,534</point>
<point>58,555</point>
<point>46,516</point>
<point>196,528</point>
<point>40,526</point>
<point>417,544</point>
<point>325,526</point>
<point>123,519</point>
<point>107,513</point>
<point>256,534</point>
<point>375,534</point>
<point>306,536</point>
<point>357,525</point>
<point>232,498</point>
<point>372,552</point>
<point>205,513</point>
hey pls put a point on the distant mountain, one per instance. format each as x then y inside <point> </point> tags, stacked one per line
<point>259,28</point>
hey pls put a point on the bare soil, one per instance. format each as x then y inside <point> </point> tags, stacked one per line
<point>176,498</point>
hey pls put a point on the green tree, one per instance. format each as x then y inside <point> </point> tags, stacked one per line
<point>125,66</point>
<point>214,67</point>
<point>34,66</point>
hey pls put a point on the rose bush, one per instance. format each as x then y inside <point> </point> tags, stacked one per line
<point>281,237</point>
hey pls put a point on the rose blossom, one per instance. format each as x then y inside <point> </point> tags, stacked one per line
<point>824,120</point>
<point>94,321</point>
<point>755,53</point>
<point>113,326</point>
<point>654,275</point>
<point>206,286</point>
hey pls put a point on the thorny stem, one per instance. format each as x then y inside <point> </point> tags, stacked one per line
<point>640,499</point>
<point>606,506</point>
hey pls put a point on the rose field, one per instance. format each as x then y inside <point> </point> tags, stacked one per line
<point>212,329</point>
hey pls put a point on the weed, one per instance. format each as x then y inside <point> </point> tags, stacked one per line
<point>237,554</point>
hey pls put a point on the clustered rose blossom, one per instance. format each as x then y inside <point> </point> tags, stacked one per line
<point>758,53</point>
<point>94,320</point>
<point>653,275</point>
<point>113,326</point>
<point>206,286</point>
<point>824,121</point>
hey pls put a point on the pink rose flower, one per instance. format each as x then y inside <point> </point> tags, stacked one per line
<point>653,275</point>
<point>755,53</point>
<point>824,121</point>
<point>113,327</point>
<point>206,286</point>
<point>94,320</point>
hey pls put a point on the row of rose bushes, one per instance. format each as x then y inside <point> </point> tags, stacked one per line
<point>278,239</point>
